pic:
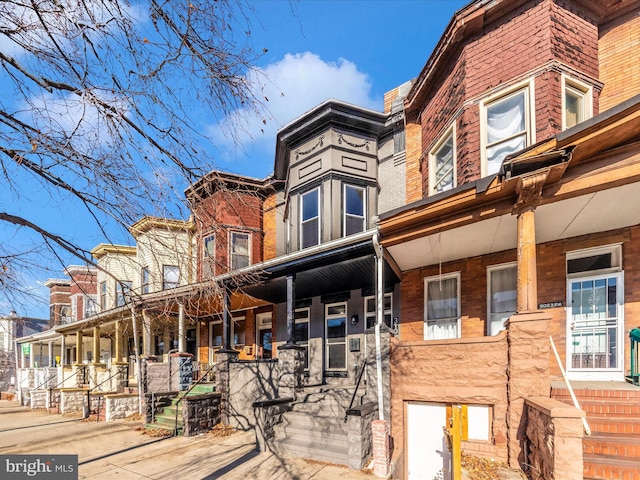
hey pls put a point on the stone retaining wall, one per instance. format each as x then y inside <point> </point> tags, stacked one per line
<point>554,436</point>
<point>72,400</point>
<point>38,399</point>
<point>120,406</point>
<point>249,381</point>
<point>200,413</point>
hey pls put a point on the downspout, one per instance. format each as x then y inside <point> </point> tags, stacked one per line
<point>379,319</point>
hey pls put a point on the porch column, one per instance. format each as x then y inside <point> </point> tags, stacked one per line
<point>146,334</point>
<point>118,343</point>
<point>182,347</point>
<point>78,348</point>
<point>31,356</point>
<point>96,345</point>
<point>291,301</point>
<point>52,361</point>
<point>63,349</point>
<point>226,320</point>
<point>22,358</point>
<point>166,343</point>
<point>529,190</point>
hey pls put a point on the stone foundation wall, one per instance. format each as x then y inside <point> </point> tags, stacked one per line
<point>462,370</point>
<point>120,406</point>
<point>72,400</point>
<point>38,399</point>
<point>554,436</point>
<point>268,414</point>
<point>155,377</point>
<point>200,413</point>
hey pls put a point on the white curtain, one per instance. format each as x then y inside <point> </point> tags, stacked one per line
<point>442,309</point>
<point>505,120</point>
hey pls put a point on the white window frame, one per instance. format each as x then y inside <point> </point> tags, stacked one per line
<point>233,255</point>
<point>433,156</point>
<point>528,87</point>
<point>122,288</point>
<point>346,215</point>
<point>264,321</point>
<point>103,296</point>
<point>90,305</point>
<point>208,257</point>
<point>581,89</point>
<point>328,317</point>
<point>304,343</point>
<point>319,218</point>
<point>145,283</point>
<point>74,308</point>
<point>490,270</point>
<point>233,331</point>
<point>615,249</point>
<point>165,283</point>
<point>437,278</point>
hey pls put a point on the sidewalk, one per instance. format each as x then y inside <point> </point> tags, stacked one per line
<point>119,450</point>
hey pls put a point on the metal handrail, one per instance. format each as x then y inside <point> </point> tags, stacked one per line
<point>180,397</point>
<point>355,392</point>
<point>46,381</point>
<point>117,372</point>
<point>168,382</point>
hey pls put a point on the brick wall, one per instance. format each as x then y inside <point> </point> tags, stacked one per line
<point>223,212</point>
<point>619,42</point>
<point>509,50</point>
<point>270,231</point>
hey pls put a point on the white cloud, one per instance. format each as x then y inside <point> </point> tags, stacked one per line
<point>293,86</point>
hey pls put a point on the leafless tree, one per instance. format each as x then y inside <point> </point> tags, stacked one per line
<point>99,107</point>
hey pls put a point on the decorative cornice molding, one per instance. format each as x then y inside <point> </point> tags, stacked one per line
<point>354,145</point>
<point>306,152</point>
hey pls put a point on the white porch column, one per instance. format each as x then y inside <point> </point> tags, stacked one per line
<point>182,344</point>
<point>146,334</point>
<point>31,356</point>
<point>63,351</point>
<point>52,361</point>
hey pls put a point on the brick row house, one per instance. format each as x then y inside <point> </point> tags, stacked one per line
<point>399,265</point>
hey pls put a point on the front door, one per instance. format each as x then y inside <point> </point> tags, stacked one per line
<point>595,327</point>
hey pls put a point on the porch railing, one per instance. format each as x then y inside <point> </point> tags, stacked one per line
<point>634,336</point>
<point>355,392</point>
<point>122,369</point>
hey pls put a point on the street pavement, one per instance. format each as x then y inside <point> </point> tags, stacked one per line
<point>120,450</point>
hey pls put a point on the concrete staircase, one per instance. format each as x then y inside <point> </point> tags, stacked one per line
<point>171,417</point>
<point>613,412</point>
<point>315,426</point>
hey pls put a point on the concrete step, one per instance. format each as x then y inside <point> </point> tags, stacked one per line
<point>338,455</point>
<point>620,408</point>
<point>625,426</point>
<point>157,426</point>
<point>168,420</point>
<point>328,435</point>
<point>203,388</point>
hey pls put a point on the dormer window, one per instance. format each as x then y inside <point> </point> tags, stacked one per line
<point>507,121</point>
<point>240,257</point>
<point>354,210</point>
<point>577,105</point>
<point>442,164</point>
<point>310,218</point>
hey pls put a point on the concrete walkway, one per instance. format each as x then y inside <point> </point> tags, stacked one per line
<point>119,450</point>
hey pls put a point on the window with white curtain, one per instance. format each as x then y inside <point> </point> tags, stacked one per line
<point>506,125</point>
<point>442,307</point>
<point>501,301</point>
<point>442,164</point>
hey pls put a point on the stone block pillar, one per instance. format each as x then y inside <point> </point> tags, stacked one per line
<point>223,359</point>
<point>291,363</point>
<point>381,448</point>
<point>528,374</point>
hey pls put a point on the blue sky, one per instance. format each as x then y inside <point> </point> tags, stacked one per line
<point>352,50</point>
